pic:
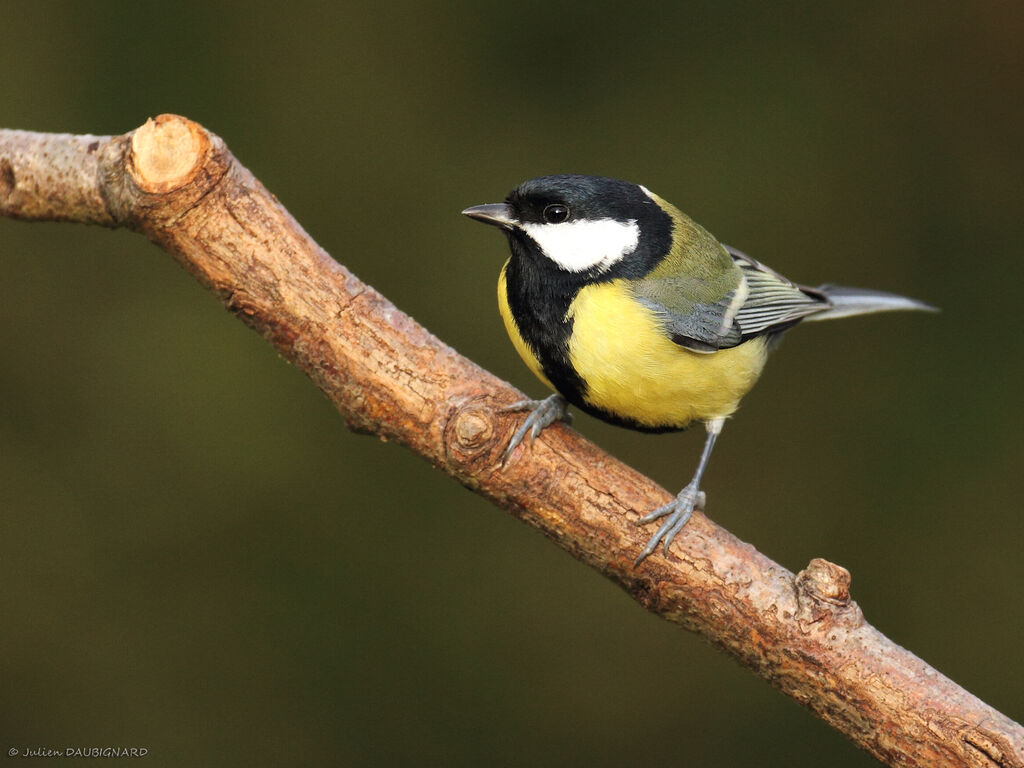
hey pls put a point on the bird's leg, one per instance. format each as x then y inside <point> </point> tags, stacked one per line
<point>543,413</point>
<point>681,507</point>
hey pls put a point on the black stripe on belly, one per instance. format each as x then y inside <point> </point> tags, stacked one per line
<point>538,303</point>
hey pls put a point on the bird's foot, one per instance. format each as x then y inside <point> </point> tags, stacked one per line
<point>678,512</point>
<point>543,413</point>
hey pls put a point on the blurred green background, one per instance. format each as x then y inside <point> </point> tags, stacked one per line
<point>198,558</point>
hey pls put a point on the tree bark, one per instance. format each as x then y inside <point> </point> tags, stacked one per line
<point>178,184</point>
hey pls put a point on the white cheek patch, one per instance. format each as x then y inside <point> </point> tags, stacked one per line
<point>579,246</point>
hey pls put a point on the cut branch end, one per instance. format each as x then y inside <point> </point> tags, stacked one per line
<point>166,153</point>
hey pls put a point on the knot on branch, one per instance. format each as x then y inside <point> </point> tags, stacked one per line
<point>471,432</point>
<point>823,596</point>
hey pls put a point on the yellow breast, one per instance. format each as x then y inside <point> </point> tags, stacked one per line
<point>633,370</point>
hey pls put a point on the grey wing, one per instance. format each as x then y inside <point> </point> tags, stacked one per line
<point>699,327</point>
<point>773,303</point>
<point>765,302</point>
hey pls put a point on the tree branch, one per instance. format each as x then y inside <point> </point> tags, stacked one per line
<point>178,184</point>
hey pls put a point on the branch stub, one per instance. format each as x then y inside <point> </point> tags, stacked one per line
<point>166,153</point>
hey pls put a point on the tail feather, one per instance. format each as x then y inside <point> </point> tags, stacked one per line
<point>861,301</point>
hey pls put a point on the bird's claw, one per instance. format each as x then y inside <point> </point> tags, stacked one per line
<point>678,512</point>
<point>543,413</point>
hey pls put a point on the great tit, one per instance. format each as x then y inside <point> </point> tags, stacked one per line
<point>634,313</point>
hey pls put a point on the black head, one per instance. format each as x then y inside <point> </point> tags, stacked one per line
<point>591,227</point>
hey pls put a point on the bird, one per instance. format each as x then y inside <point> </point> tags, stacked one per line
<point>632,312</point>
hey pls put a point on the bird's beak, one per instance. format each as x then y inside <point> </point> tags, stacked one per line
<point>498,214</point>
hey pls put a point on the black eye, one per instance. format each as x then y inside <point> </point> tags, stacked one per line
<point>556,213</point>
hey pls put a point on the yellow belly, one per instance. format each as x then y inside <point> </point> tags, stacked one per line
<point>634,371</point>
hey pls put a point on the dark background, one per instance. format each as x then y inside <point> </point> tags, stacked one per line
<point>198,558</point>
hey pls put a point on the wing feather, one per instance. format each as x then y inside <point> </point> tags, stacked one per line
<point>773,302</point>
<point>765,302</point>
